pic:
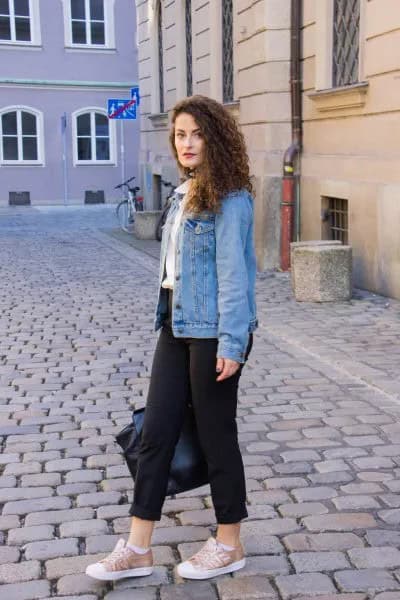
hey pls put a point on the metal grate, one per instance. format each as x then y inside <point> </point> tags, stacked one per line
<point>227,50</point>
<point>19,198</point>
<point>160,57</point>
<point>189,73</point>
<point>346,42</point>
<point>94,197</point>
<point>338,220</point>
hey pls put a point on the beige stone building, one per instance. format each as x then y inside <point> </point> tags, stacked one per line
<point>350,164</point>
<point>238,51</point>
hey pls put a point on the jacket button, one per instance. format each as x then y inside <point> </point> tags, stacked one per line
<point>177,277</point>
<point>178,306</point>
<point>198,228</point>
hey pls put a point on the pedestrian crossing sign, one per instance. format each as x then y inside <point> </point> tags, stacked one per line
<point>121,108</point>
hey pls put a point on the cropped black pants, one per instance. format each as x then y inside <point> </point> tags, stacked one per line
<point>184,371</point>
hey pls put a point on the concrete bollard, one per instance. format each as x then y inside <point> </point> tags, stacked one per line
<point>312,243</point>
<point>321,271</point>
<point>146,224</point>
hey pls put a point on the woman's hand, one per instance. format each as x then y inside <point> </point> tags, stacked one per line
<point>226,367</point>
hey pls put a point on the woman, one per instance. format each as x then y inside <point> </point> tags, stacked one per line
<point>206,311</point>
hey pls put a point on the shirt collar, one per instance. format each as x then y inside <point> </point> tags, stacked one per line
<point>183,188</point>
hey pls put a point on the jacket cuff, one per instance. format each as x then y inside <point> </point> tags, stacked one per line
<point>225,351</point>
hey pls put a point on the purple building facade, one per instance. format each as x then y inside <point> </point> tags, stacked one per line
<point>60,61</point>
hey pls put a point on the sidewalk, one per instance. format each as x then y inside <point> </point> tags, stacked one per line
<point>318,421</point>
<point>360,338</point>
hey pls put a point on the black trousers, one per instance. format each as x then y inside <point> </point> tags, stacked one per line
<point>183,371</point>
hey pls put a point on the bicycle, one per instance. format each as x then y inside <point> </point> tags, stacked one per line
<point>131,204</point>
<point>166,208</point>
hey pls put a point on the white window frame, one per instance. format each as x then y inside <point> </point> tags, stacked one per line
<point>109,27</point>
<point>112,138</point>
<point>34,18</point>
<point>39,136</point>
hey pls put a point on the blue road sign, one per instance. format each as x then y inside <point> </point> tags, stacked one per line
<point>121,108</point>
<point>135,93</point>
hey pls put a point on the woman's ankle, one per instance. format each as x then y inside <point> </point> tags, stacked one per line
<point>140,533</point>
<point>229,535</point>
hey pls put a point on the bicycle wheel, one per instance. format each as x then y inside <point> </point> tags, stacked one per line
<point>126,217</point>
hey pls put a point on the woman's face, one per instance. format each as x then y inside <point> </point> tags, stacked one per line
<point>189,142</point>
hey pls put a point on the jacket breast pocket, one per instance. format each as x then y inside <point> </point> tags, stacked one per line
<point>197,227</point>
<point>200,238</point>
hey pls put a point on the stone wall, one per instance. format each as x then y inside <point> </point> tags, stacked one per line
<point>351,141</point>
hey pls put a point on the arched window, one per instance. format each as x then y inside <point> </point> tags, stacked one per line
<point>93,137</point>
<point>227,51</point>
<point>21,132</point>
<point>188,29</point>
<point>160,56</point>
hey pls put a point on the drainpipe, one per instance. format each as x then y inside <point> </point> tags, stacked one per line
<point>290,180</point>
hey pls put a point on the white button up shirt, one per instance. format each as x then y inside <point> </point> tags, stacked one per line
<point>168,282</point>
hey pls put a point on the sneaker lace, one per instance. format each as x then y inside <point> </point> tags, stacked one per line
<point>206,554</point>
<point>114,556</point>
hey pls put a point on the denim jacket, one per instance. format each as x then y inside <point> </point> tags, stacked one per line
<point>215,272</point>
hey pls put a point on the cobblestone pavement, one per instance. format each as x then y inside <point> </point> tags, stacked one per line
<point>318,419</point>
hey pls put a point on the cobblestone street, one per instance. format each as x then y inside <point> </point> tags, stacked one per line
<point>319,422</point>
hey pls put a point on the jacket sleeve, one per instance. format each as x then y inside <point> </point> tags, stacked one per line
<point>231,230</point>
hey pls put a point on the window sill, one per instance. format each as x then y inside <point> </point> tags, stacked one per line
<point>90,48</point>
<point>233,107</point>
<point>21,163</point>
<point>94,163</point>
<point>349,96</point>
<point>10,45</point>
<point>159,119</point>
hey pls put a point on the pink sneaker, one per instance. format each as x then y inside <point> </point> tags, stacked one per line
<point>122,562</point>
<point>212,560</point>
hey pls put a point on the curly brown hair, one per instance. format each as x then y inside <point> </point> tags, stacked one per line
<point>226,163</point>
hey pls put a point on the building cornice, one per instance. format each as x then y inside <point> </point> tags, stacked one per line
<point>59,83</point>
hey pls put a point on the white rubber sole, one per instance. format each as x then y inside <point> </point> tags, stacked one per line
<point>115,575</point>
<point>191,573</point>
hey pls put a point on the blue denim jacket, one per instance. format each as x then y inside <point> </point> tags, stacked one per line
<point>215,272</point>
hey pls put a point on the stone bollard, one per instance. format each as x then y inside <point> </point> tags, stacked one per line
<point>146,224</point>
<point>321,271</point>
<point>295,245</point>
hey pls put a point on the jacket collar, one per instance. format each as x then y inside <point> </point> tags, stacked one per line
<point>183,188</point>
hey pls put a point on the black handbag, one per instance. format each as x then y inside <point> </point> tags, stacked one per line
<point>188,467</point>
